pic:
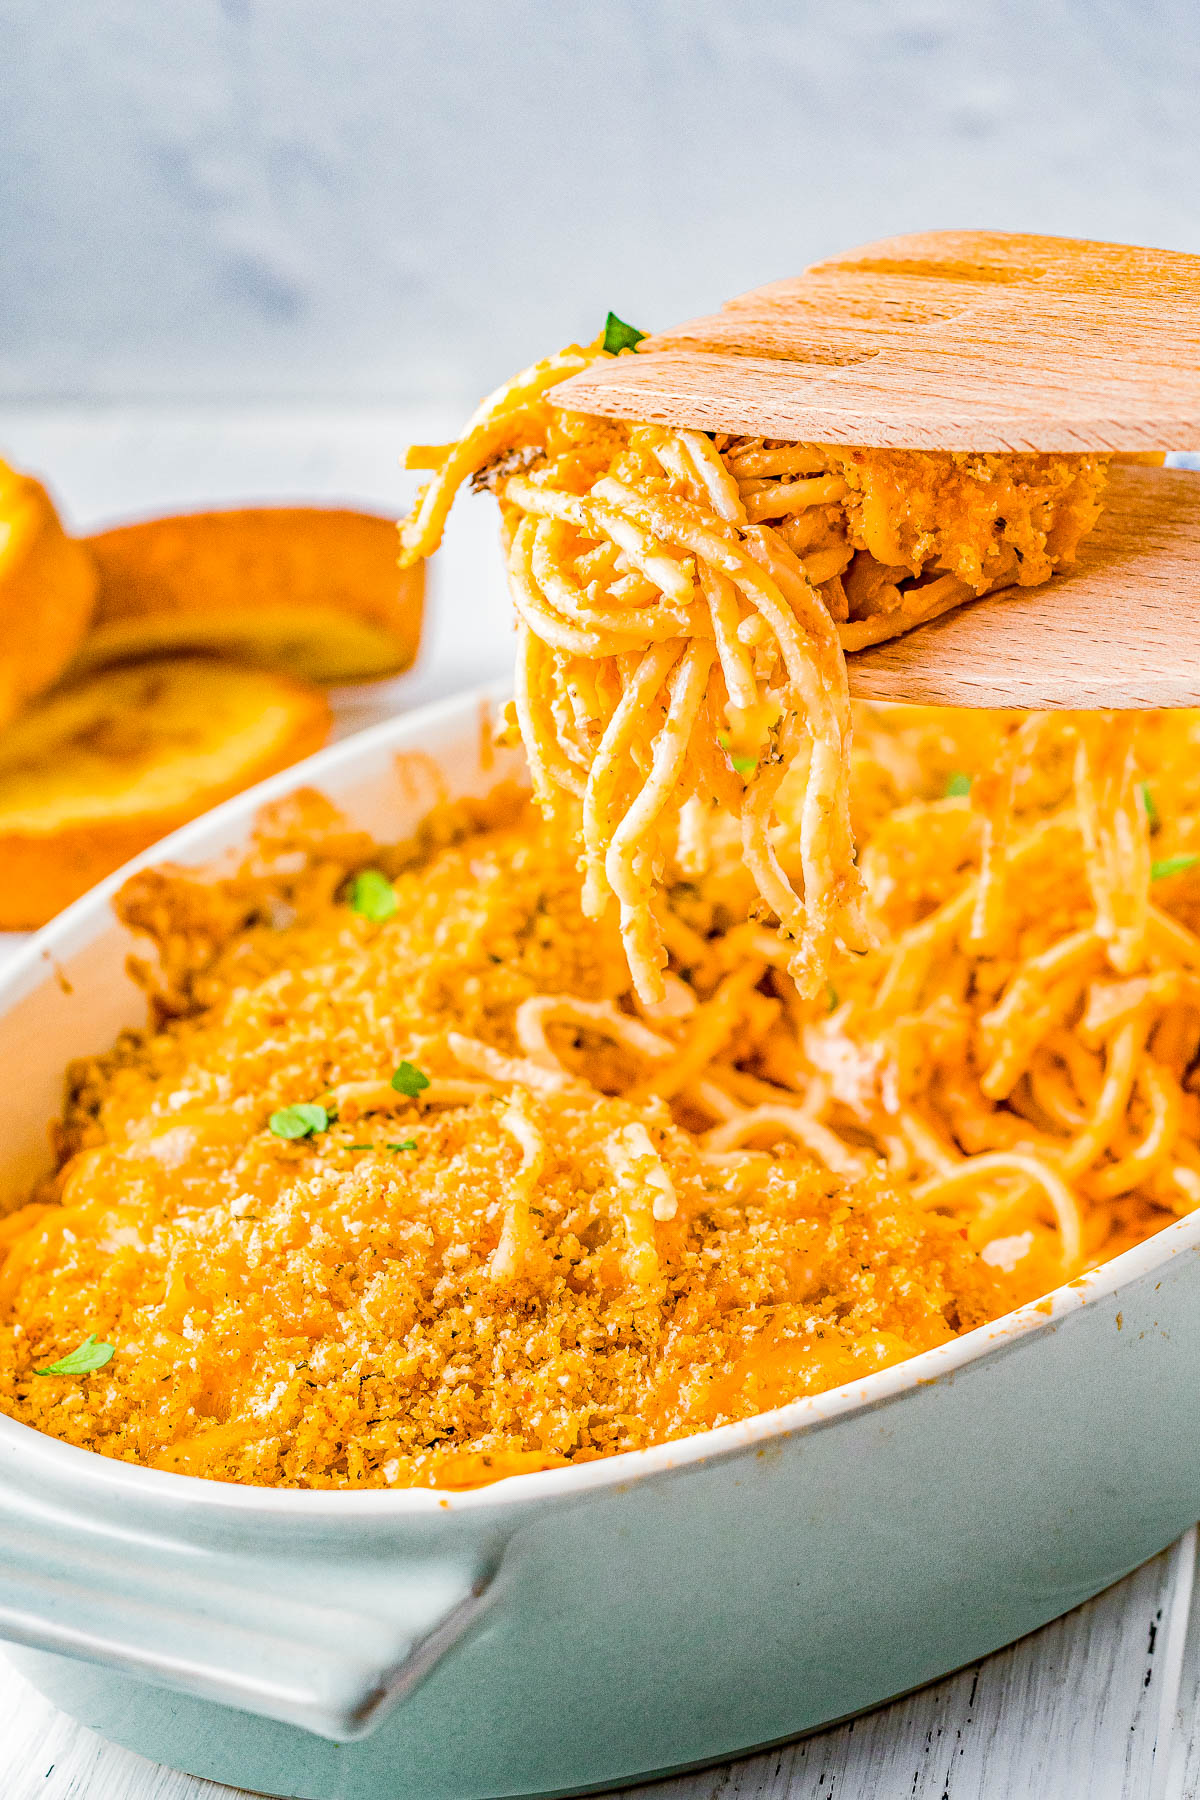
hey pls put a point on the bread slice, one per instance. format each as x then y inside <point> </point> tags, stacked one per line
<point>47,591</point>
<point>314,591</point>
<point>103,768</point>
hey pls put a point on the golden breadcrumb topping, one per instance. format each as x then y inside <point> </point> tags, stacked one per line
<point>988,520</point>
<point>506,1269</point>
<point>403,1184</point>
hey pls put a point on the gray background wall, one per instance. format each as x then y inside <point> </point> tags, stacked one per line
<point>382,200</point>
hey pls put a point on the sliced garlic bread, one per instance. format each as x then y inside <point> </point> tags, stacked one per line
<point>47,591</point>
<point>314,591</point>
<point>103,768</point>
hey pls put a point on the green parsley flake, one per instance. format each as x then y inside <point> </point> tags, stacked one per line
<point>410,1080</point>
<point>373,896</point>
<point>745,765</point>
<point>1148,807</point>
<point>358,1146</point>
<point>1172,865</point>
<point>299,1121</point>
<point>620,336</point>
<point>958,785</point>
<point>831,996</point>
<point>89,1355</point>
<point>406,1144</point>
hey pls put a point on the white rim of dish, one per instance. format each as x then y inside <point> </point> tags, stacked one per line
<point>75,927</point>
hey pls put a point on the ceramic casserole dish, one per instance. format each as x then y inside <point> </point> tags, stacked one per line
<point>583,1627</point>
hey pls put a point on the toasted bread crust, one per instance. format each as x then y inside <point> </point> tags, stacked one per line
<point>106,767</point>
<point>47,591</point>
<point>314,591</point>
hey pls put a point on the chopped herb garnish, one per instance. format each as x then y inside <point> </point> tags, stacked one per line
<point>406,1144</point>
<point>372,895</point>
<point>1148,807</point>
<point>958,785</point>
<point>745,765</point>
<point>1172,865</point>
<point>89,1355</point>
<point>410,1080</point>
<point>299,1121</point>
<point>831,996</point>
<point>358,1146</point>
<point>620,336</point>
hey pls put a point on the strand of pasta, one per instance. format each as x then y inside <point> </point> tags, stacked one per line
<point>925,603</point>
<point>824,1144</point>
<point>977,1170</point>
<point>627,863</point>
<point>601,1016</point>
<point>549,767</point>
<point>488,430</point>
<point>627,719</point>
<point>508,1258</point>
<point>645,1194</point>
<point>1116,840</point>
<point>483,1059</point>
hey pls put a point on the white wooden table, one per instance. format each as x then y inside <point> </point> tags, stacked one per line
<point>1102,1705</point>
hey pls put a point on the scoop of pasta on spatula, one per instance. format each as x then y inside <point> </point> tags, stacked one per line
<point>685,596</point>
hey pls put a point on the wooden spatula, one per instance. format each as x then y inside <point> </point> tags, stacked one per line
<point>979,341</point>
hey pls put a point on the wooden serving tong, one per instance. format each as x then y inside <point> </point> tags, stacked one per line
<point>979,340</point>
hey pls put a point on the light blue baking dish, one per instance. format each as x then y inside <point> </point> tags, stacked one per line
<point>583,1627</point>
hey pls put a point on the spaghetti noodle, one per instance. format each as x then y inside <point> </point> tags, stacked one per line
<point>683,606</point>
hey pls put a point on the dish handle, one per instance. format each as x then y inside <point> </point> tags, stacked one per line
<point>330,1644</point>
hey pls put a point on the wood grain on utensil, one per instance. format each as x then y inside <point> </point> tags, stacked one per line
<point>944,340</point>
